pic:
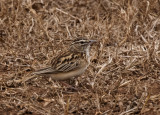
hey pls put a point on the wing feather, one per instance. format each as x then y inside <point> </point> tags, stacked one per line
<point>48,70</point>
<point>63,63</point>
<point>67,62</point>
<point>68,66</point>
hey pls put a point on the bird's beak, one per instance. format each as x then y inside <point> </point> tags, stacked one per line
<point>92,41</point>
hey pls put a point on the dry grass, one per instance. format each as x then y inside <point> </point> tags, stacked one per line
<point>124,76</point>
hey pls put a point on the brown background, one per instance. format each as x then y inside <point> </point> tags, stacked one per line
<point>123,78</point>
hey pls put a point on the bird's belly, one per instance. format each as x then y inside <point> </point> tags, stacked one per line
<point>68,75</point>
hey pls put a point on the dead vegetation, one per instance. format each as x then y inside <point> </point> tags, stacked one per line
<point>124,76</point>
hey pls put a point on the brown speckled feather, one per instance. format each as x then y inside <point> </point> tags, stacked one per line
<point>65,62</point>
<point>68,61</point>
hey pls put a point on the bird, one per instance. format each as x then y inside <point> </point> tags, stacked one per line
<point>71,63</point>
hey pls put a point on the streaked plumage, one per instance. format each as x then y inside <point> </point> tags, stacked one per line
<point>71,63</point>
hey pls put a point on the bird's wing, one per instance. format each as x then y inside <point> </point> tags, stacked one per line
<point>64,63</point>
<point>67,62</point>
<point>68,66</point>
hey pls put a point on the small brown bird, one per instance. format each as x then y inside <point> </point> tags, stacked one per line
<point>71,63</point>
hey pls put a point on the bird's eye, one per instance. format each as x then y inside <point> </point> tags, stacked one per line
<point>82,42</point>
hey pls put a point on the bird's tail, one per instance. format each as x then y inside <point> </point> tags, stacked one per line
<point>49,70</point>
